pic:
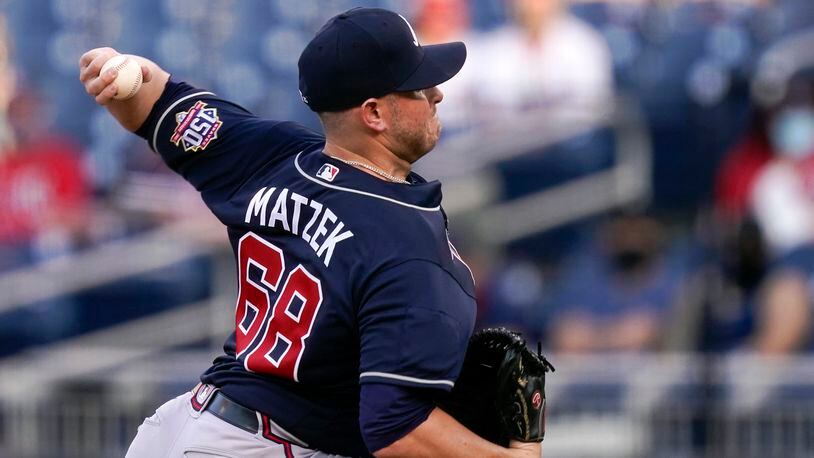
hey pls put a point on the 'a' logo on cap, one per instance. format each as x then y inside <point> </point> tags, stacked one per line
<point>415,38</point>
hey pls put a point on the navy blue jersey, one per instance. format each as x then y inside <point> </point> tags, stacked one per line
<point>344,278</point>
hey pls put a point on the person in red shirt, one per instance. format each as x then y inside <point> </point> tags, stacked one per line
<point>44,191</point>
<point>740,168</point>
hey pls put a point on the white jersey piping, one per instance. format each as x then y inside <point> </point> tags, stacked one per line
<point>406,378</point>
<point>354,191</point>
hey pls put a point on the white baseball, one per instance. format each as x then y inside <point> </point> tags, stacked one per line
<point>128,80</point>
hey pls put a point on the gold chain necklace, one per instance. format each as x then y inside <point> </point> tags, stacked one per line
<point>373,169</point>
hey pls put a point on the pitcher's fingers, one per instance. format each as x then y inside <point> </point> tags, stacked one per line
<point>92,54</point>
<point>96,86</point>
<point>93,68</point>
<point>88,57</point>
<point>106,95</point>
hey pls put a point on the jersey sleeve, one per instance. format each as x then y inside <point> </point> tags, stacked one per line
<point>389,412</point>
<point>415,323</point>
<point>214,143</point>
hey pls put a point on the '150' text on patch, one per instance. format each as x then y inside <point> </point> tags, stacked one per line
<point>197,127</point>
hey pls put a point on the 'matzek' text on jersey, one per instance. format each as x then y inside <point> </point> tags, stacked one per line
<point>309,219</point>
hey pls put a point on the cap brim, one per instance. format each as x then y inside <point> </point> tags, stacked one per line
<point>441,62</point>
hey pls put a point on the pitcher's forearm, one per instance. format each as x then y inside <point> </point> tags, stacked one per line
<point>442,435</point>
<point>130,113</point>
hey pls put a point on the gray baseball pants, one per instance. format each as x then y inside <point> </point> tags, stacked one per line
<point>179,430</point>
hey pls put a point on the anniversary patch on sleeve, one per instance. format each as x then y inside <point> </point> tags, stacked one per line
<point>197,127</point>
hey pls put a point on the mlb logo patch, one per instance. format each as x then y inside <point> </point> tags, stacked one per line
<point>197,127</point>
<point>327,172</point>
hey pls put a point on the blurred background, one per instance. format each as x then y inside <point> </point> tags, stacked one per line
<point>631,181</point>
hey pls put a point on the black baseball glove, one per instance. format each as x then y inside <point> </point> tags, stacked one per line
<point>500,394</point>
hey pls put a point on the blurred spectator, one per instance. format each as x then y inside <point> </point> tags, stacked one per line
<point>717,310</point>
<point>783,195</point>
<point>740,300</point>
<point>618,295</point>
<point>547,60</point>
<point>43,191</point>
<point>442,21</point>
<point>765,201</point>
<point>741,167</point>
<point>44,195</point>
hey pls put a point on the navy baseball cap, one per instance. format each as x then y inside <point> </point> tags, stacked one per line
<point>371,52</point>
